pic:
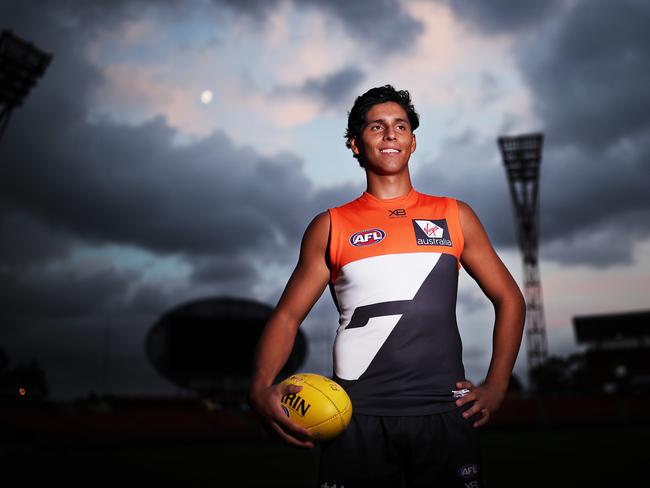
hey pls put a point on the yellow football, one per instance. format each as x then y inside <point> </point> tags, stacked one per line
<point>322,406</point>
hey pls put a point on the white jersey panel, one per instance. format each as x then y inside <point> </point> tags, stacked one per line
<point>354,349</point>
<point>374,280</point>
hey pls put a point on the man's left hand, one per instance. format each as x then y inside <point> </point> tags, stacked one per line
<point>486,398</point>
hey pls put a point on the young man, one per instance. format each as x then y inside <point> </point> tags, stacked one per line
<point>392,258</point>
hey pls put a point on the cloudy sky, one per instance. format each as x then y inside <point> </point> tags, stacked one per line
<point>124,194</point>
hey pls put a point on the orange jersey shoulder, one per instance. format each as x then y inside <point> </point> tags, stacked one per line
<point>415,223</point>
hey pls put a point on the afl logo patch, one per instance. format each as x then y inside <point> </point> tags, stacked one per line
<point>468,471</point>
<point>367,237</point>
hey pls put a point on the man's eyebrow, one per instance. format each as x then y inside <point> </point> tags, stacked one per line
<point>382,121</point>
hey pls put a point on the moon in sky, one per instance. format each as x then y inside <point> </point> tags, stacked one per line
<point>206,96</point>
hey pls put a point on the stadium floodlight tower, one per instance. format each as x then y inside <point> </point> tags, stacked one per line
<point>21,65</point>
<point>522,156</point>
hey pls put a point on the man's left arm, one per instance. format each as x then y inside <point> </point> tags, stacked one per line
<point>484,265</point>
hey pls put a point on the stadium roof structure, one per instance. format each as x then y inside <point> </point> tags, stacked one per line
<point>207,345</point>
<point>612,327</point>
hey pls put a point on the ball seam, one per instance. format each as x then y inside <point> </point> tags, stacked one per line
<point>339,412</point>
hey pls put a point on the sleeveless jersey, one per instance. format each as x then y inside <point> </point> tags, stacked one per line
<point>394,279</point>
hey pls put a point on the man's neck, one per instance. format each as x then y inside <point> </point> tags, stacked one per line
<point>388,186</point>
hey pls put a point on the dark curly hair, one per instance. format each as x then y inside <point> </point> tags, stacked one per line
<point>363,103</point>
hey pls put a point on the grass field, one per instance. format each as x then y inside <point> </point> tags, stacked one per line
<point>613,456</point>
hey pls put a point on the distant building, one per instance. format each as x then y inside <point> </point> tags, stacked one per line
<point>617,359</point>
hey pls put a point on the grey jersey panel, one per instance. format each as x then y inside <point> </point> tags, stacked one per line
<point>416,368</point>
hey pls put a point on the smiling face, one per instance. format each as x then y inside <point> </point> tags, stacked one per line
<point>386,141</point>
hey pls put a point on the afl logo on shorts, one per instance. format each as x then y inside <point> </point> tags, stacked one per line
<point>367,237</point>
<point>468,471</point>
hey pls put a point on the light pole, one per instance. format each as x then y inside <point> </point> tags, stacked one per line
<point>522,156</point>
<point>21,65</point>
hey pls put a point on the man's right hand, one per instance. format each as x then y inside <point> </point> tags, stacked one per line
<point>267,403</point>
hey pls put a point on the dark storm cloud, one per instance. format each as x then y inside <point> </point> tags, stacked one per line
<point>219,209</point>
<point>55,293</point>
<point>595,206</point>
<point>60,18</point>
<point>591,74</point>
<point>153,299</point>
<point>591,210</point>
<point>213,270</point>
<point>129,185</point>
<point>110,183</point>
<point>474,180</point>
<point>336,89</point>
<point>126,185</point>
<point>383,25</point>
<point>28,240</point>
<point>502,15</point>
<point>258,9</point>
<point>605,243</point>
<point>218,206</point>
<point>589,82</point>
<point>588,77</point>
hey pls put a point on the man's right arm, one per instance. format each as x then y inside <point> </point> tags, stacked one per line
<point>304,288</point>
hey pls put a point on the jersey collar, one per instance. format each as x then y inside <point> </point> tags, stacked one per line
<point>403,201</point>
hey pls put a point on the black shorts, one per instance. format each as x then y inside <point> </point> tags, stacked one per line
<point>438,450</point>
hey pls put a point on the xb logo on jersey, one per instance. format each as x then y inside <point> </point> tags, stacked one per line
<point>367,237</point>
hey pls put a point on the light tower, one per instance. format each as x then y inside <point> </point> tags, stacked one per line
<point>21,64</point>
<point>522,156</point>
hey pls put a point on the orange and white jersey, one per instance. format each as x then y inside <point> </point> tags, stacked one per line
<point>394,279</point>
